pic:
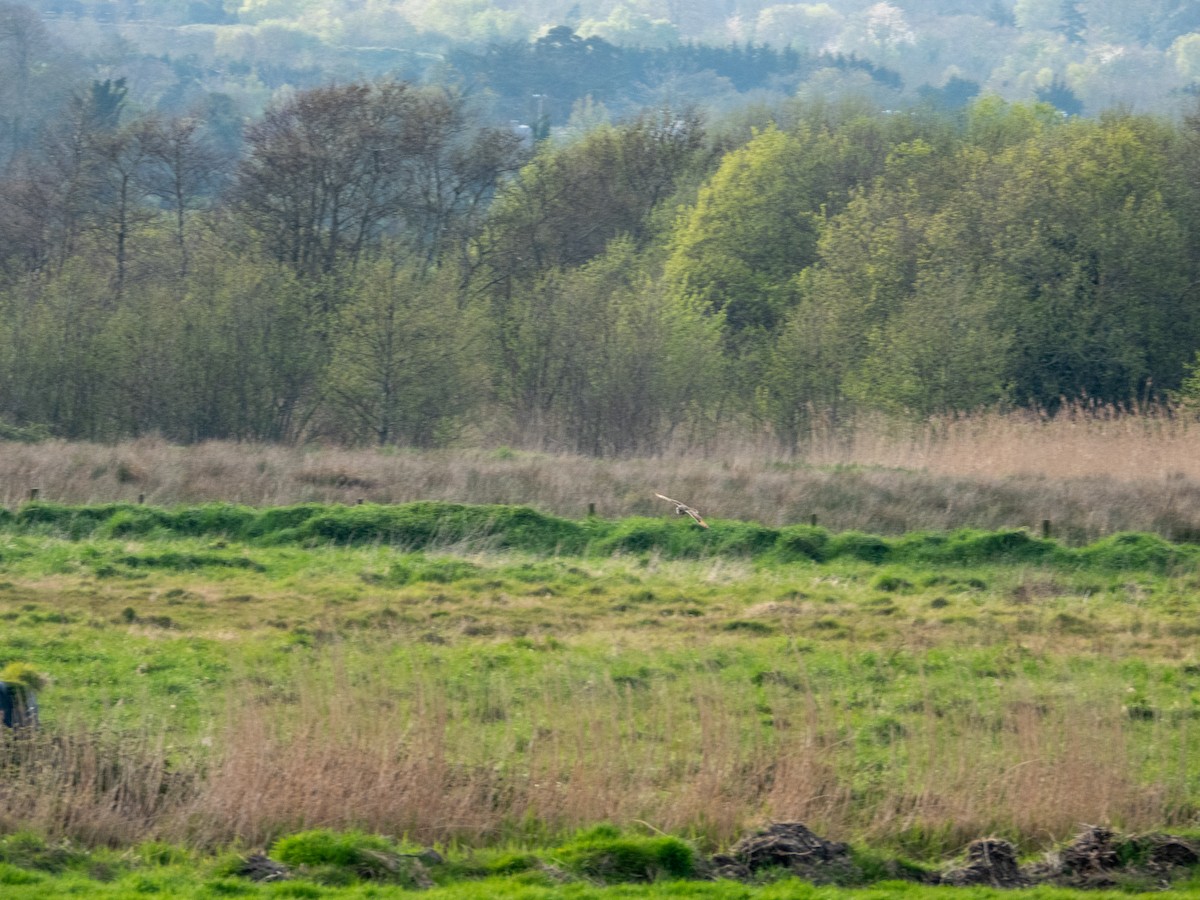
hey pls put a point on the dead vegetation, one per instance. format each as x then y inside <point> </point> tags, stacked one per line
<point>1090,471</point>
<point>404,760</point>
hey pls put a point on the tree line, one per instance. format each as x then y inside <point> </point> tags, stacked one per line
<point>377,263</point>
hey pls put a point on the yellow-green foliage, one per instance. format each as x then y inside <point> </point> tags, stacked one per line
<point>23,674</point>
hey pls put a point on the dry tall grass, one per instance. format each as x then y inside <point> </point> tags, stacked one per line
<point>687,758</point>
<point>1090,471</point>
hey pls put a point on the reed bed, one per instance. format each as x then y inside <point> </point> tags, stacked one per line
<point>1089,472</point>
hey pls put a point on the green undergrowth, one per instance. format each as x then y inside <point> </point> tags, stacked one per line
<point>600,862</point>
<point>428,525</point>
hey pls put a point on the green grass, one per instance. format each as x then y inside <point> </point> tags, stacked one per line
<point>177,882</point>
<point>430,525</point>
<point>601,862</point>
<point>498,682</point>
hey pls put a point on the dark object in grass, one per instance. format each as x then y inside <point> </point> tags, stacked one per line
<point>787,845</point>
<point>1093,852</point>
<point>259,867</point>
<point>18,706</point>
<point>1099,857</point>
<point>990,861</point>
<point>1168,851</point>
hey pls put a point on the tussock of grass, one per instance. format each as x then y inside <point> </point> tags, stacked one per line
<point>606,854</point>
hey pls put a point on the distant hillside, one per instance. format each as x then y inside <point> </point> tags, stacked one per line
<point>1082,55</point>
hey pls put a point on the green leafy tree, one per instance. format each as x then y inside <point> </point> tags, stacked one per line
<point>867,269</point>
<point>1100,259</point>
<point>993,123</point>
<point>61,353</point>
<point>754,225</point>
<point>647,363</point>
<point>564,208</point>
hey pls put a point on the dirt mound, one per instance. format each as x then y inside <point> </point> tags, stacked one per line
<point>990,861</point>
<point>1168,851</point>
<point>787,845</point>
<point>1100,857</point>
<point>1092,854</point>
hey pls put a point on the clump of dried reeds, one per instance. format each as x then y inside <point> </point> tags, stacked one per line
<point>1089,471</point>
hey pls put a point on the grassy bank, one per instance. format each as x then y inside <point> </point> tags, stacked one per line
<point>451,526</point>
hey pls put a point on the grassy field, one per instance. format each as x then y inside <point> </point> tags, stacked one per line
<point>492,681</point>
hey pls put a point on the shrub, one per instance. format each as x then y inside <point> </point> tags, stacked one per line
<point>280,522</point>
<point>744,538</point>
<point>157,853</point>
<point>133,521</point>
<point>798,542</point>
<point>74,522</point>
<point>1129,550</point>
<point>855,544</point>
<point>968,546</point>
<point>421,525</point>
<point>673,539</point>
<point>511,864</point>
<point>891,582</point>
<point>10,874</point>
<point>604,853</point>
<point>211,519</point>
<point>28,850</point>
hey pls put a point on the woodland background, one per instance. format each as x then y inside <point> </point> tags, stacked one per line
<point>603,229</point>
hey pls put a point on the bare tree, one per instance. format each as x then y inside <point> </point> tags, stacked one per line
<point>331,170</point>
<point>53,196</point>
<point>30,76</point>
<point>183,166</point>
